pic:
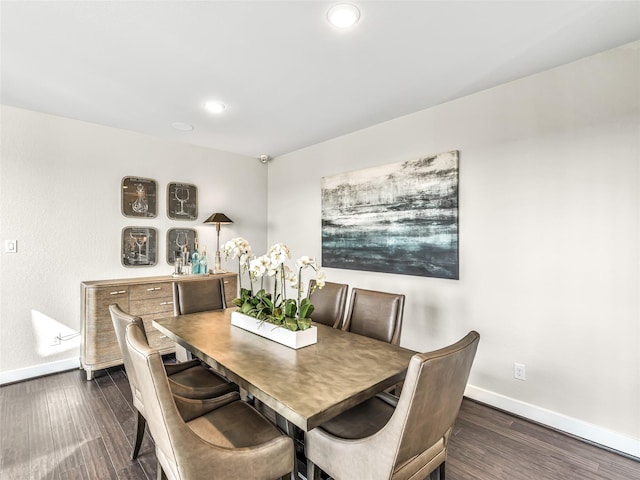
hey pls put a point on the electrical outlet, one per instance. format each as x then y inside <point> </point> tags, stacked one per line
<point>519,371</point>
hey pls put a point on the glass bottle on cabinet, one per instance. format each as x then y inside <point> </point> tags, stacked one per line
<point>195,259</point>
<point>203,262</point>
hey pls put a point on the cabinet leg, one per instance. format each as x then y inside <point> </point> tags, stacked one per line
<point>89,375</point>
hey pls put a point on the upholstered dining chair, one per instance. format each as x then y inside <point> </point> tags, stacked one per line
<point>404,438</point>
<point>188,379</point>
<point>195,440</point>
<point>375,314</point>
<point>200,296</point>
<point>193,297</point>
<point>329,303</point>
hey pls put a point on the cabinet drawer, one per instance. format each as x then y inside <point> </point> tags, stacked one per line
<point>97,307</point>
<point>103,349</point>
<point>161,306</point>
<point>160,341</point>
<point>150,290</point>
<point>104,296</point>
<point>148,320</point>
<point>98,335</point>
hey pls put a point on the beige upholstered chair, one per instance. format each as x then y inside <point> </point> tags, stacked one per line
<point>375,314</point>
<point>193,297</point>
<point>188,379</point>
<point>200,296</point>
<point>329,303</point>
<point>376,440</point>
<point>196,440</point>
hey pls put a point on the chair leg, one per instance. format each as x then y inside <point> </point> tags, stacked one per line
<point>141,423</point>
<point>441,475</point>
<point>313,471</point>
<point>160,473</point>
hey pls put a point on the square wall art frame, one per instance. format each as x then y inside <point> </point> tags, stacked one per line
<point>139,197</point>
<point>398,218</point>
<point>182,201</point>
<point>139,246</point>
<point>178,238</point>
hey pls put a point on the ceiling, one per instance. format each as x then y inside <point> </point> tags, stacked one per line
<point>288,78</point>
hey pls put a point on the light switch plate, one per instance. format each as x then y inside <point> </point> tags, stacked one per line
<point>10,246</point>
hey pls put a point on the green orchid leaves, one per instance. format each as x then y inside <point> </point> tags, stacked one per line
<point>306,308</point>
<point>261,306</point>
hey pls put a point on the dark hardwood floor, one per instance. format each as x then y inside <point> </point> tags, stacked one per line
<point>63,427</point>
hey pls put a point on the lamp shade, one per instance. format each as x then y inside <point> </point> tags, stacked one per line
<point>218,218</point>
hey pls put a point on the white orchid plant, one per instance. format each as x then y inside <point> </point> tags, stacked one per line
<point>238,248</point>
<point>275,307</point>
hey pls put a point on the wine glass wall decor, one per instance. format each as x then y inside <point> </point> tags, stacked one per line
<point>177,238</point>
<point>139,197</point>
<point>182,201</point>
<point>139,246</point>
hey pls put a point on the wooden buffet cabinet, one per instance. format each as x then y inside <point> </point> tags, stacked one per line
<point>147,297</point>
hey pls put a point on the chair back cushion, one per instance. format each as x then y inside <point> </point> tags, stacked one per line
<point>375,314</point>
<point>121,320</point>
<point>329,303</point>
<point>432,395</point>
<point>191,296</point>
<point>157,396</point>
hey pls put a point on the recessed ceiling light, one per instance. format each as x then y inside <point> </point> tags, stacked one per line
<point>215,106</point>
<point>343,15</point>
<point>185,127</point>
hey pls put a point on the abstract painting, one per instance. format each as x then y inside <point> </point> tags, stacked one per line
<point>396,218</point>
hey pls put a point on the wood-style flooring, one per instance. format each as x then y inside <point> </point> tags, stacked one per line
<point>62,427</point>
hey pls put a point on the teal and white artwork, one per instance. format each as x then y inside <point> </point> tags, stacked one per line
<point>397,218</point>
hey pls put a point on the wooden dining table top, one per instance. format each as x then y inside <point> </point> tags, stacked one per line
<point>307,386</point>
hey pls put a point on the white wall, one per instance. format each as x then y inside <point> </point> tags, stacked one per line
<point>549,238</point>
<point>60,198</point>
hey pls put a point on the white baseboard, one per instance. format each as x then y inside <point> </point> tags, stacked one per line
<point>38,370</point>
<point>592,433</point>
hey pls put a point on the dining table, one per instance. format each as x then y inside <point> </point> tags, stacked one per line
<point>307,386</point>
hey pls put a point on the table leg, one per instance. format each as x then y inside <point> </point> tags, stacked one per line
<point>297,435</point>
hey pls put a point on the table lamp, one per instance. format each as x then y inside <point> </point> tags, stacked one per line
<point>218,219</point>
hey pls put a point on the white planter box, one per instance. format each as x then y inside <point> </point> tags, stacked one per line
<point>297,339</point>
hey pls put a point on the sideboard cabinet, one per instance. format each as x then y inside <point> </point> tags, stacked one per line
<point>147,297</point>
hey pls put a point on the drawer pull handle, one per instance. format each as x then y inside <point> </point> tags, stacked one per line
<point>226,281</point>
<point>117,292</point>
<point>152,289</point>
<point>166,303</point>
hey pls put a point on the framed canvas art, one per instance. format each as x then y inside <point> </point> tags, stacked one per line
<point>397,218</point>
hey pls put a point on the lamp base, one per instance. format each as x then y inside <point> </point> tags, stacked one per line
<point>217,267</point>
